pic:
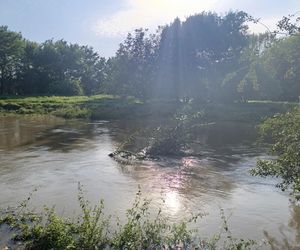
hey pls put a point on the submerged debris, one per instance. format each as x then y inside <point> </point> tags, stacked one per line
<point>127,157</point>
<point>172,138</point>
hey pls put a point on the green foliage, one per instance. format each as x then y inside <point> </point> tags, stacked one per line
<point>268,70</point>
<point>11,50</point>
<point>289,24</point>
<point>208,58</point>
<point>132,70</point>
<point>72,112</point>
<point>139,232</point>
<point>53,67</point>
<point>67,107</point>
<point>55,234</point>
<point>93,230</point>
<point>68,87</point>
<point>173,137</point>
<point>173,134</point>
<point>284,132</point>
<point>180,60</point>
<point>187,60</point>
<point>282,63</point>
<point>112,107</point>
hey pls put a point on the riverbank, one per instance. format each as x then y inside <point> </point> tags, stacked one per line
<point>54,157</point>
<point>66,107</point>
<point>93,229</point>
<point>112,107</point>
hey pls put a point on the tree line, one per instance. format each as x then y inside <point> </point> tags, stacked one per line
<point>208,58</point>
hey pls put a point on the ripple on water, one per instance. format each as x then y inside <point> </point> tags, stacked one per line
<point>55,155</point>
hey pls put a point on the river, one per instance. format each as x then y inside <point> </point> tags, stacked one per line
<point>53,155</point>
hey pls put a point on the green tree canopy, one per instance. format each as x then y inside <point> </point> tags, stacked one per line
<point>284,132</point>
<point>11,49</point>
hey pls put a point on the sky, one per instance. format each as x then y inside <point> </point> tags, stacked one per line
<point>103,24</point>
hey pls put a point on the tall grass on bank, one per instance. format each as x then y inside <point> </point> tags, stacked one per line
<point>92,229</point>
<point>67,107</point>
<point>114,107</point>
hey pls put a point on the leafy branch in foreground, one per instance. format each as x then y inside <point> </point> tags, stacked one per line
<point>93,230</point>
<point>284,131</point>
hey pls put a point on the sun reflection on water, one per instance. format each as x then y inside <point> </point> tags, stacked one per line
<point>172,201</point>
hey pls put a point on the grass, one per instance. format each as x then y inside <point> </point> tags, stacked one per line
<point>97,106</point>
<point>113,107</point>
<point>92,229</point>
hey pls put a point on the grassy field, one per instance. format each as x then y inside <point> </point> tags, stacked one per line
<point>111,107</point>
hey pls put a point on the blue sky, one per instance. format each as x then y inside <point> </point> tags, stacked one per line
<point>103,24</point>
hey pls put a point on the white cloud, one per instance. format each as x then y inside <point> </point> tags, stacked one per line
<point>264,25</point>
<point>148,14</point>
<point>151,13</point>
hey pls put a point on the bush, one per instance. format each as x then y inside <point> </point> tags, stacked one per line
<point>284,133</point>
<point>92,230</point>
<point>69,87</point>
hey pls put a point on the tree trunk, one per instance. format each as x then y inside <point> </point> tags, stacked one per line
<point>2,81</point>
<point>1,85</point>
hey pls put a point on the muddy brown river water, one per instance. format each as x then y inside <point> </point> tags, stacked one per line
<point>53,155</point>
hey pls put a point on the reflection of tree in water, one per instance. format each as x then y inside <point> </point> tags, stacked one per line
<point>48,132</point>
<point>186,137</point>
<point>20,131</point>
<point>285,242</point>
<point>226,134</point>
<point>70,136</point>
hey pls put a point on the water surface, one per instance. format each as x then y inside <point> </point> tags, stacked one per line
<point>53,155</point>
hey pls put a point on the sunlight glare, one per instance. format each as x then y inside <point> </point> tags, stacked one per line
<point>146,13</point>
<point>172,201</point>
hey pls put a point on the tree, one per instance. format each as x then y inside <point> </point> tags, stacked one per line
<point>195,55</point>
<point>250,78</point>
<point>284,131</point>
<point>11,49</point>
<point>57,67</point>
<point>28,75</point>
<point>132,70</point>
<point>282,61</point>
<point>169,76</point>
<point>289,25</point>
<point>91,70</point>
